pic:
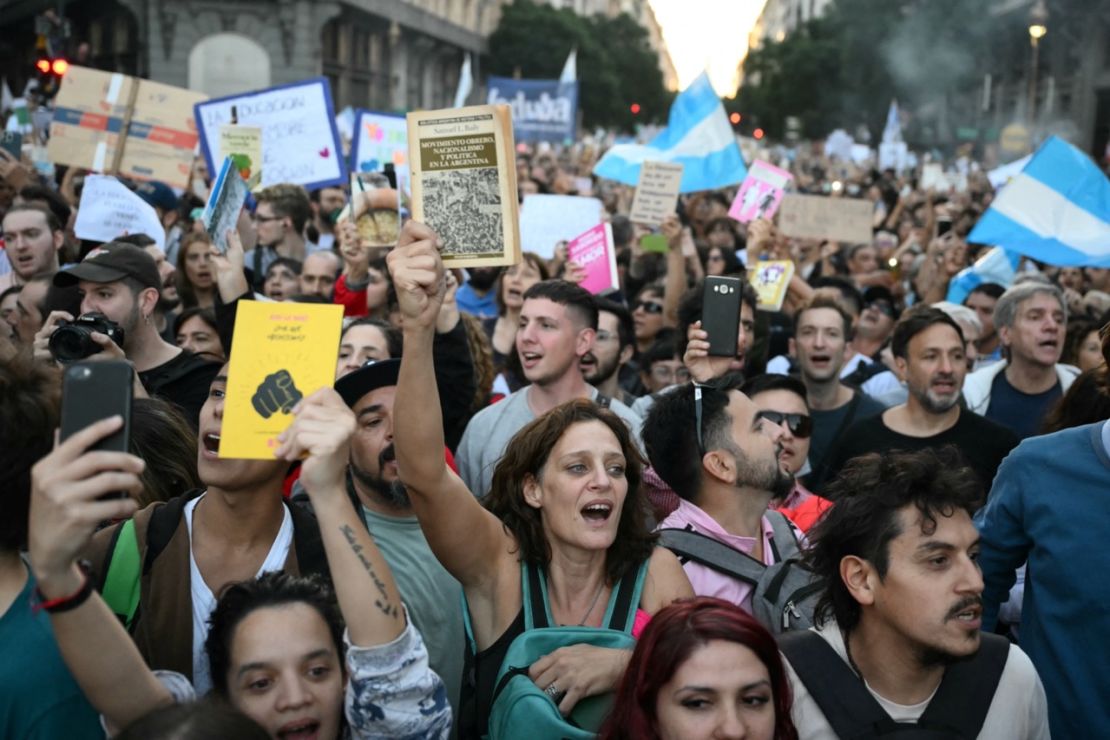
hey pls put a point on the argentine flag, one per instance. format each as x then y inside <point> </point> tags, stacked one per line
<point>698,136</point>
<point>1056,211</point>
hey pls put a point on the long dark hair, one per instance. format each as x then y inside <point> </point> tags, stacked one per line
<point>527,454</point>
<point>671,637</point>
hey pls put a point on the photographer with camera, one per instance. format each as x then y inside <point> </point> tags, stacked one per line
<point>119,284</point>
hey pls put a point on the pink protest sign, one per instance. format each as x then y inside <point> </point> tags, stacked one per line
<point>593,251</point>
<point>760,193</point>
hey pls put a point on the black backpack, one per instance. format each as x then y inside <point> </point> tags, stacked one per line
<point>957,710</point>
<point>785,593</point>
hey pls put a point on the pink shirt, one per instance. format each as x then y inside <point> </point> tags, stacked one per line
<point>706,581</point>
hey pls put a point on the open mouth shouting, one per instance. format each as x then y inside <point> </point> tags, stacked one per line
<point>301,729</point>
<point>210,441</point>
<point>529,360</point>
<point>597,512</point>
<point>969,613</point>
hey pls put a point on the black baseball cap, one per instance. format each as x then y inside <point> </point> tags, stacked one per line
<point>881,293</point>
<point>111,262</point>
<point>371,376</point>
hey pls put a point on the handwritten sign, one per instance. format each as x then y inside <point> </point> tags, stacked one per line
<point>108,209</point>
<point>656,193</point>
<point>281,353</point>
<point>820,217</point>
<point>379,139</point>
<point>244,145</point>
<point>594,251</point>
<point>770,280</point>
<point>300,143</point>
<point>760,193</point>
<point>546,220</point>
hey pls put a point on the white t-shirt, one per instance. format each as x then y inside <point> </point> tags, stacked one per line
<point>1019,710</point>
<point>204,602</point>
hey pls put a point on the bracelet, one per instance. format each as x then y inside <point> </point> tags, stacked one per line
<point>64,603</point>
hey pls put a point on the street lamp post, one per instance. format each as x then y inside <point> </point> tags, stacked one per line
<point>1038,19</point>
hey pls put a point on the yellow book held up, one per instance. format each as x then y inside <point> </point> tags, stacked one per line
<point>281,353</point>
<point>770,280</point>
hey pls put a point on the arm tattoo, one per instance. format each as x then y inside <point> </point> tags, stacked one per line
<point>382,602</point>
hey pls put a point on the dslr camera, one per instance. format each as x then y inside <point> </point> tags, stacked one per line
<point>72,340</point>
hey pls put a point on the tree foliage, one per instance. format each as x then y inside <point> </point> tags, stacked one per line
<point>616,65</point>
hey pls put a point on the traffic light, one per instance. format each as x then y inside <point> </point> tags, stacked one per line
<point>55,68</point>
<point>635,108</point>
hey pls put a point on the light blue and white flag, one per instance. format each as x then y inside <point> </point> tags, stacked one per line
<point>1056,211</point>
<point>698,136</point>
<point>466,83</point>
<point>892,131</point>
<point>995,266</point>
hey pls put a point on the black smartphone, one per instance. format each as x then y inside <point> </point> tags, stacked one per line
<point>92,391</point>
<point>720,314</point>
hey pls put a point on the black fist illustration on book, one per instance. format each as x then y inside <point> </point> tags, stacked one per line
<point>276,393</point>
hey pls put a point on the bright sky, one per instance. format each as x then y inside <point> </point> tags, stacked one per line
<point>707,34</point>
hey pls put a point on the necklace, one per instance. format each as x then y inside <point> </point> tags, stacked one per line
<point>600,588</point>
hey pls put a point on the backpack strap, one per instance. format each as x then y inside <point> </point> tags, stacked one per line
<point>784,542</point>
<point>626,599</point>
<point>712,554</point>
<point>163,523</point>
<point>533,597</point>
<point>848,706</point>
<point>120,589</point>
<point>602,400</point>
<point>964,696</point>
<point>308,543</point>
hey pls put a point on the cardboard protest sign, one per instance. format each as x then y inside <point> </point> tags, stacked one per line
<point>546,220</point>
<point>282,352</point>
<point>109,209</point>
<point>379,138</point>
<point>244,145</point>
<point>657,192</point>
<point>594,251</point>
<point>760,193</point>
<point>110,122</point>
<point>770,279</point>
<point>225,201</point>
<point>821,217</point>
<point>543,110</point>
<point>300,143</point>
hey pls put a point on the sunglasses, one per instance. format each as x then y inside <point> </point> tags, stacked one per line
<point>882,307</point>
<point>649,307</point>
<point>800,425</point>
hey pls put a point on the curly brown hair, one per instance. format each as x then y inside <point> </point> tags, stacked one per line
<point>527,454</point>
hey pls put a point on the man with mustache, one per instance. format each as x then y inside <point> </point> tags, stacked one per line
<point>929,356</point>
<point>432,595</point>
<point>898,626</point>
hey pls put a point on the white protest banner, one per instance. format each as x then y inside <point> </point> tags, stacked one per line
<point>108,209</point>
<point>932,176</point>
<point>760,193</point>
<point>839,145</point>
<point>656,193</point>
<point>300,143</point>
<point>894,155</point>
<point>379,139</point>
<point>820,217</point>
<point>546,220</point>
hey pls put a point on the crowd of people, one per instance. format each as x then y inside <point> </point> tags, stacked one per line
<point>526,510</point>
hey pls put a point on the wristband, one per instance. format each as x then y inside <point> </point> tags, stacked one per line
<point>64,603</point>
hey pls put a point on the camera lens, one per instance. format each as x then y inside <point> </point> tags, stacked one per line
<point>71,343</point>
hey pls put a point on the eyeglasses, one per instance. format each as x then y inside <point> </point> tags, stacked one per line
<point>664,373</point>
<point>800,425</point>
<point>605,336</point>
<point>649,307</point>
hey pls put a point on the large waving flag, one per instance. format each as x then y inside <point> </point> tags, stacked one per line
<point>1057,210</point>
<point>698,136</point>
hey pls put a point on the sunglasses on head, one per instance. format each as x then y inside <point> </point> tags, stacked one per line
<point>649,306</point>
<point>800,425</point>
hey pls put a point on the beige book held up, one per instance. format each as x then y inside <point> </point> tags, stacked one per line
<point>464,182</point>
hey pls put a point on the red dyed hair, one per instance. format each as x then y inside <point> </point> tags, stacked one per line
<point>671,637</point>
